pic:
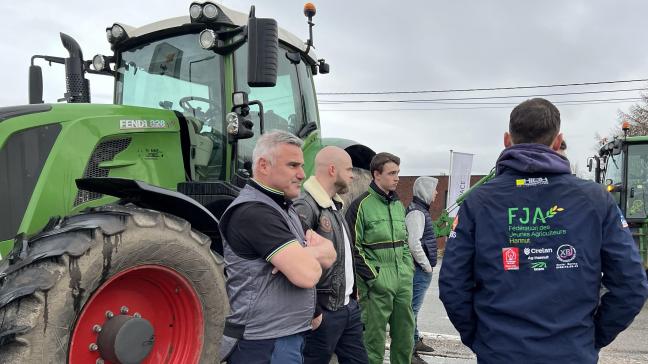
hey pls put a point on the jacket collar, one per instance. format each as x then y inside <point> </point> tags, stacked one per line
<point>531,158</point>
<point>387,198</point>
<point>315,189</point>
<point>276,195</point>
<point>419,201</point>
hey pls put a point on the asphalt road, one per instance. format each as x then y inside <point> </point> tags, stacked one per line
<point>630,347</point>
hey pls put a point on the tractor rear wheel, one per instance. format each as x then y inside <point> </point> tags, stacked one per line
<point>113,285</point>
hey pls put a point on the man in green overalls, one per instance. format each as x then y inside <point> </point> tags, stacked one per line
<point>384,264</point>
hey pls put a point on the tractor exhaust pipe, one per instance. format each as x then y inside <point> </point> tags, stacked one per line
<point>77,86</point>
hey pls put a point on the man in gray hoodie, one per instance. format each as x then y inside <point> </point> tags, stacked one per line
<point>423,246</point>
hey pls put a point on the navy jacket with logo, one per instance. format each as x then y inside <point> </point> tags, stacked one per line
<point>523,268</point>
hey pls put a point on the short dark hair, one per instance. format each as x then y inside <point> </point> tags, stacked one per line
<point>534,121</point>
<point>379,161</point>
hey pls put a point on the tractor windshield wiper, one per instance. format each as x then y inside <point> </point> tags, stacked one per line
<point>614,161</point>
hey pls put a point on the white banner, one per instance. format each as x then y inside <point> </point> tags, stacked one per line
<point>460,166</point>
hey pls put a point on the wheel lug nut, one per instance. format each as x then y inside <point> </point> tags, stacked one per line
<point>99,361</point>
<point>96,328</point>
<point>93,347</point>
<point>109,314</point>
<point>123,310</point>
<point>137,314</point>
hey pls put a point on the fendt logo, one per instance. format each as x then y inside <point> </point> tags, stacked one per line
<point>142,124</point>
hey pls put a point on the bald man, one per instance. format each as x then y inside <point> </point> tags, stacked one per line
<point>337,327</point>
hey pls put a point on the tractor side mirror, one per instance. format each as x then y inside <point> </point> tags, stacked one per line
<point>324,67</point>
<point>35,85</point>
<point>263,51</point>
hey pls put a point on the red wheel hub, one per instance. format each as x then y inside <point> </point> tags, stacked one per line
<point>158,294</point>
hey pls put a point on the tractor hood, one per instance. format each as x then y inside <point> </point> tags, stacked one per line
<point>14,111</point>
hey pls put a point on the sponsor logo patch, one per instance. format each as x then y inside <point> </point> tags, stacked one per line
<point>511,258</point>
<point>566,254</point>
<point>531,182</point>
<point>539,266</point>
<point>534,254</point>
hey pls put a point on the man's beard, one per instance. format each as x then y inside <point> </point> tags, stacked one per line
<point>341,187</point>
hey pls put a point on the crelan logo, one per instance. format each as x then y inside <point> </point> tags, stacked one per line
<point>526,215</point>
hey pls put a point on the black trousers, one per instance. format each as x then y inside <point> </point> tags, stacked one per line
<point>339,333</point>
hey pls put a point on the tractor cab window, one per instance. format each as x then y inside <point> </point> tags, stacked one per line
<point>177,74</point>
<point>288,106</point>
<point>614,173</point>
<point>307,85</point>
<point>637,187</point>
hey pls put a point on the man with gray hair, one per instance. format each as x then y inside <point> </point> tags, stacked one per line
<point>272,266</point>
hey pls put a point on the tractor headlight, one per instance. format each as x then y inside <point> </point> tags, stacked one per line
<point>207,39</point>
<point>210,11</point>
<point>194,11</point>
<point>117,31</point>
<point>99,62</point>
<point>232,123</point>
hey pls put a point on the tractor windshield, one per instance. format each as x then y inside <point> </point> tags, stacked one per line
<point>637,194</point>
<point>177,74</point>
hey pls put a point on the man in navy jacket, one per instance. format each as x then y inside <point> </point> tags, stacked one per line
<point>524,264</point>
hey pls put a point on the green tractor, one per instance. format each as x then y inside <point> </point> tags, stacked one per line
<point>622,165</point>
<point>109,246</point>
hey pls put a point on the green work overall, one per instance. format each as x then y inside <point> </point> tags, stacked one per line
<point>385,271</point>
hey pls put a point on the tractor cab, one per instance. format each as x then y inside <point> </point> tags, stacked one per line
<point>223,71</point>
<point>624,170</point>
<point>622,166</point>
<point>195,64</point>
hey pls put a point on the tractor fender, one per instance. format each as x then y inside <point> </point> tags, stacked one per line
<point>155,198</point>
<point>72,239</point>
<point>59,243</point>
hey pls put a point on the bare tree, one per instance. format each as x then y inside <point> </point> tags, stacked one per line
<point>637,116</point>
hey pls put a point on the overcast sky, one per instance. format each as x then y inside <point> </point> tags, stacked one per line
<point>385,46</point>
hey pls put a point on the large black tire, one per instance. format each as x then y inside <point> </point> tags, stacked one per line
<point>44,291</point>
